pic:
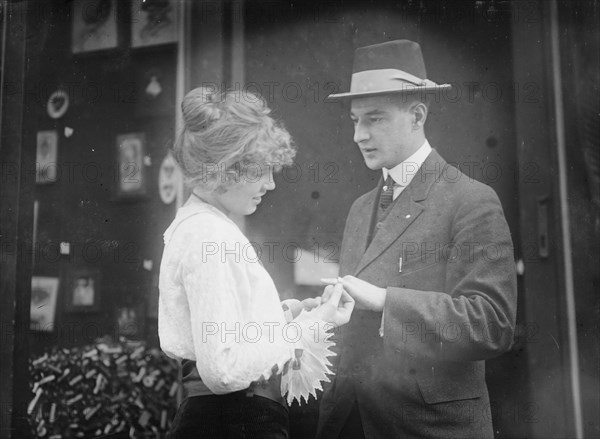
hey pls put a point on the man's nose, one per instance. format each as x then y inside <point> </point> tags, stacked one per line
<point>360,133</point>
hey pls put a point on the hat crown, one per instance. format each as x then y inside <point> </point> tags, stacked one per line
<point>387,68</point>
<point>404,55</point>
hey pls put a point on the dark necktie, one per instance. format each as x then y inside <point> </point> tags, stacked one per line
<point>387,193</point>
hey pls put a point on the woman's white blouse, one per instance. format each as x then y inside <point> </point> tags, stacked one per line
<point>218,306</point>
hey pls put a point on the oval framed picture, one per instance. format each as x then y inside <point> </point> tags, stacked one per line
<point>58,104</point>
<point>169,178</point>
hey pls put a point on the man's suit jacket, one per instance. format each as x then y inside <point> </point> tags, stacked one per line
<point>445,255</point>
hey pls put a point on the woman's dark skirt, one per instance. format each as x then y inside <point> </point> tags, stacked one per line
<point>231,416</point>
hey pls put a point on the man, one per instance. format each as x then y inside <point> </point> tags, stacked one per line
<point>428,258</point>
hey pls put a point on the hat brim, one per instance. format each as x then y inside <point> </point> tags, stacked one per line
<point>350,95</point>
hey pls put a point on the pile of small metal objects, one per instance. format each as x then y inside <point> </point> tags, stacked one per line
<point>103,389</point>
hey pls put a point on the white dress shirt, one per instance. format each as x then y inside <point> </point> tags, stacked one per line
<point>404,172</point>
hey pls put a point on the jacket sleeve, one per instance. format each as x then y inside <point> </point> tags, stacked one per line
<point>474,318</point>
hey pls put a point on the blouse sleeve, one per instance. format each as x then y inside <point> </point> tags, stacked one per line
<point>234,347</point>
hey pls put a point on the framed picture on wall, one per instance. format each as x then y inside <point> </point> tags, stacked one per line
<point>153,22</point>
<point>58,104</point>
<point>82,290</point>
<point>130,165</point>
<point>46,153</point>
<point>155,84</point>
<point>44,291</point>
<point>169,179</point>
<point>130,321</point>
<point>94,25</point>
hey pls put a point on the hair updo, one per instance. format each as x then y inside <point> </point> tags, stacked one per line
<point>226,132</point>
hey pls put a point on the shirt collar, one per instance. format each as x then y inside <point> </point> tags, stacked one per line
<point>404,172</point>
<point>193,206</point>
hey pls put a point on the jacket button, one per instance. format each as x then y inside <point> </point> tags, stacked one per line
<point>379,225</point>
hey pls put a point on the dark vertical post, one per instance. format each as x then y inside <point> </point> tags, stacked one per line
<point>547,405</point>
<point>16,222</point>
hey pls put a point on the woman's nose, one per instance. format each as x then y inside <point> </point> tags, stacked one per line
<point>269,186</point>
<point>269,183</point>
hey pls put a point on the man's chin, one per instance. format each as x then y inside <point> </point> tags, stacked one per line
<point>373,165</point>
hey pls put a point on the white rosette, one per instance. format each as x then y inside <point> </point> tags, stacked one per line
<point>303,374</point>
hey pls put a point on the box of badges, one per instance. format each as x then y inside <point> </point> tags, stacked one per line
<point>123,389</point>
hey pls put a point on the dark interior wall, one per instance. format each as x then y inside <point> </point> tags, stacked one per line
<point>106,232</point>
<point>296,54</point>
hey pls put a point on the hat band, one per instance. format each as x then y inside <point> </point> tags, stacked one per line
<point>385,79</point>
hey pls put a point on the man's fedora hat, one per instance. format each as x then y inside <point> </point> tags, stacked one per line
<point>392,67</point>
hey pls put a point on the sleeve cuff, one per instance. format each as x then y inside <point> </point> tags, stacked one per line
<point>309,365</point>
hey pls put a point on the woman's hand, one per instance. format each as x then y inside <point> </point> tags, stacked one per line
<point>291,308</point>
<point>338,308</point>
<point>311,303</point>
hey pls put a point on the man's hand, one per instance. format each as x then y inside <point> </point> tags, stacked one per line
<point>366,295</point>
<point>338,310</point>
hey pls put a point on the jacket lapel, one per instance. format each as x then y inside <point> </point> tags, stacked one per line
<point>405,210</point>
<point>357,232</point>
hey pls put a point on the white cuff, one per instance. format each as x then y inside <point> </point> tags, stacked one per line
<point>303,374</point>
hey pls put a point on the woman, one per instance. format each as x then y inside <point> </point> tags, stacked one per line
<point>219,312</point>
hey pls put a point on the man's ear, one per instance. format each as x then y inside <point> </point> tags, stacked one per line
<point>419,111</point>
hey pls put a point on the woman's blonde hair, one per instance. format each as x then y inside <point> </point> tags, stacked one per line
<point>226,132</point>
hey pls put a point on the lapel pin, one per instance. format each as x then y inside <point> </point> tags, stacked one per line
<point>407,216</point>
